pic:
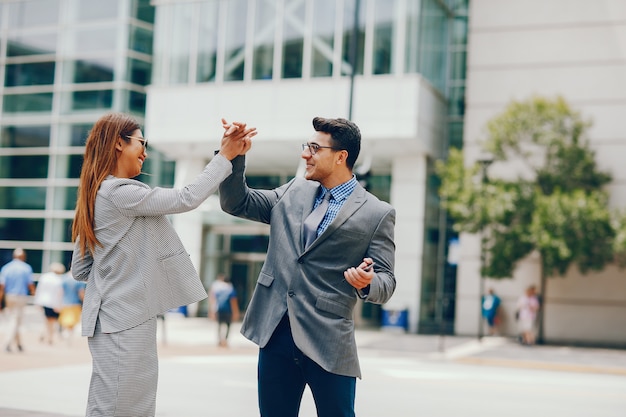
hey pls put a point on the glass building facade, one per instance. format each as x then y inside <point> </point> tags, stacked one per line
<point>229,43</point>
<point>63,63</point>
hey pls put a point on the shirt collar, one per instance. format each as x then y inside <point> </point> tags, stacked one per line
<point>342,191</point>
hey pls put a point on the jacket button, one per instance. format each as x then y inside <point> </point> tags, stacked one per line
<point>291,293</point>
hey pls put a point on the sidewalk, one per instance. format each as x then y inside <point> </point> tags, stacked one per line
<point>196,339</point>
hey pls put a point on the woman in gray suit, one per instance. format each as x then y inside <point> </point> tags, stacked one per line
<point>132,259</point>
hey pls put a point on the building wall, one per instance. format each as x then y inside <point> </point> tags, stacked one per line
<point>570,48</point>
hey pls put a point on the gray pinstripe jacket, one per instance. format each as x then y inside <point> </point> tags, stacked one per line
<point>309,283</point>
<point>142,268</point>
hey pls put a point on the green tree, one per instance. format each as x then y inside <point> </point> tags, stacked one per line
<point>555,204</point>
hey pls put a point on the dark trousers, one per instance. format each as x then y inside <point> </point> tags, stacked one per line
<point>283,373</point>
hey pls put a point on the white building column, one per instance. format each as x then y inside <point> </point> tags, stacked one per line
<point>189,225</point>
<point>408,193</point>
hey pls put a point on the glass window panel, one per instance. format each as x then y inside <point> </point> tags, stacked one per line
<point>455,134</point>
<point>456,104</point>
<point>383,36</point>
<point>137,102</point>
<point>141,40</point>
<point>207,47</point>
<point>24,166</point>
<point>73,135</point>
<point>61,230</point>
<point>139,72</point>
<point>33,13</point>
<point>21,229</point>
<point>235,40</point>
<point>264,182</point>
<point>411,51</point>
<point>65,198</point>
<point>36,73</point>
<point>142,10</point>
<point>23,198</point>
<point>89,40</point>
<point>433,43</point>
<point>68,166</point>
<point>457,64</point>
<point>89,71</point>
<point>97,9</point>
<point>249,243</point>
<point>27,103</point>
<point>323,38</point>
<point>293,40</point>
<point>348,35</point>
<point>180,43</point>
<point>25,136</point>
<point>459,31</point>
<point>263,54</point>
<point>87,100</point>
<point>26,44</point>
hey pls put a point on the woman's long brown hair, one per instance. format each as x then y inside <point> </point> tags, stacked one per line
<point>99,161</point>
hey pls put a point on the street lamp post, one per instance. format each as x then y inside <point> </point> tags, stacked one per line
<point>484,165</point>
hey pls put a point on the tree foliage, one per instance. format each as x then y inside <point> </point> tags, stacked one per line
<point>555,205</point>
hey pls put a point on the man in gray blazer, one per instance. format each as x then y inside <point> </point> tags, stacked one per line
<point>301,312</point>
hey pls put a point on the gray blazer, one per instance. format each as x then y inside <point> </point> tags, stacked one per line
<point>142,268</point>
<point>309,284</point>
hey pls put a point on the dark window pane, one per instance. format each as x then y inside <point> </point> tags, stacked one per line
<point>61,230</point>
<point>17,103</point>
<point>139,72</point>
<point>136,102</point>
<point>21,229</point>
<point>79,134</point>
<point>39,73</point>
<point>348,37</point>
<point>23,198</point>
<point>91,71</point>
<point>27,166</point>
<point>141,40</point>
<point>265,182</point>
<point>142,10</point>
<point>244,243</point>
<point>25,136</point>
<point>99,99</point>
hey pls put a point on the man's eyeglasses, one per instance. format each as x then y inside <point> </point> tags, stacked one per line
<point>314,147</point>
<point>144,141</point>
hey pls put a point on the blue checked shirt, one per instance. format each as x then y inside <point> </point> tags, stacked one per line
<point>339,195</point>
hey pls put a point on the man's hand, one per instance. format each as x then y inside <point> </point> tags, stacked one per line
<point>237,139</point>
<point>361,276</point>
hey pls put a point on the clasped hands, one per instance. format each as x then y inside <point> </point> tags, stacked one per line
<point>237,139</point>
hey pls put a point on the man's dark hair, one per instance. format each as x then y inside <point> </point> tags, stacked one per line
<point>344,135</point>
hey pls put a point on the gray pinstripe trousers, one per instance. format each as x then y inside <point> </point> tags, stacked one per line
<point>125,371</point>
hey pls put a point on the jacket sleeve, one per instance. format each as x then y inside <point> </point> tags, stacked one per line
<point>136,199</point>
<point>239,200</point>
<point>382,250</point>
<point>81,266</point>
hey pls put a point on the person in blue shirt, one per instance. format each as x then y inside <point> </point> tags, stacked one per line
<point>490,304</point>
<point>16,284</point>
<point>223,307</point>
<point>73,294</point>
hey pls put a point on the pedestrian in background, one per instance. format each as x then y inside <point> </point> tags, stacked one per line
<point>331,244</point>
<point>132,259</point>
<point>73,295</point>
<point>527,309</point>
<point>16,284</point>
<point>490,306</point>
<point>49,295</point>
<point>223,307</point>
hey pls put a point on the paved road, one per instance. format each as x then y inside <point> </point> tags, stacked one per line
<point>404,375</point>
